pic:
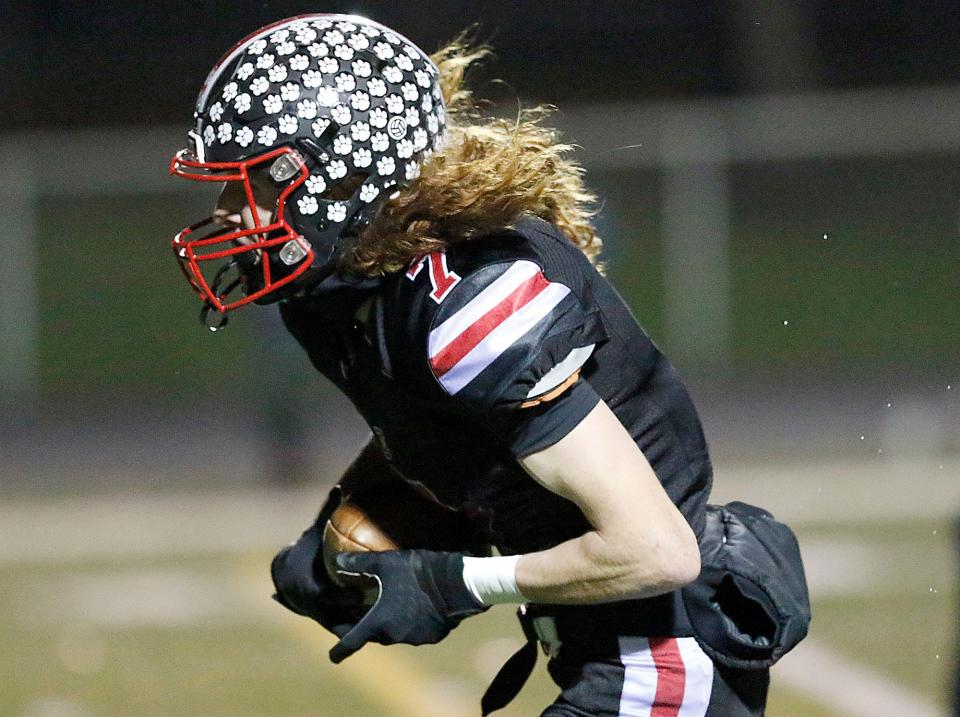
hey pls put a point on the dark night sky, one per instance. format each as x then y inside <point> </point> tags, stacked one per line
<point>112,62</point>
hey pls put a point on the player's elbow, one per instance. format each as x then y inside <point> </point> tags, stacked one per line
<point>683,564</point>
<point>679,560</point>
<point>659,566</point>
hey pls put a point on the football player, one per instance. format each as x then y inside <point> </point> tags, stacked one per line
<point>439,268</point>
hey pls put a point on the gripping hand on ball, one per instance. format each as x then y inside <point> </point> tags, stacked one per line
<point>422,598</point>
<point>303,585</point>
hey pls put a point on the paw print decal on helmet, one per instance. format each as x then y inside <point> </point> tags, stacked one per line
<point>344,52</point>
<point>288,124</point>
<point>259,86</point>
<point>243,136</point>
<point>342,145</point>
<point>378,117</point>
<point>333,37</point>
<point>345,83</point>
<point>242,103</point>
<point>337,169</point>
<point>404,149</point>
<point>360,101</point>
<point>368,192</point>
<point>315,184</point>
<point>361,68</point>
<point>272,104</point>
<point>290,92</point>
<point>337,212</point>
<point>307,109</point>
<point>267,136</point>
<point>308,205</point>
<point>277,73</point>
<point>392,73</point>
<point>360,131</point>
<point>395,104</point>
<point>362,158</point>
<point>299,63</point>
<point>341,114</point>
<point>358,42</point>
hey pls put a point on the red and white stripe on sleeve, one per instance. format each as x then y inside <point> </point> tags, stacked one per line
<point>479,332</point>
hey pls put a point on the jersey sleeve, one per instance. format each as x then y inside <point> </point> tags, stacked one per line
<point>511,346</point>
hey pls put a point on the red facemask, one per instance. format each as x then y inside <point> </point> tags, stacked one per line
<point>259,260</point>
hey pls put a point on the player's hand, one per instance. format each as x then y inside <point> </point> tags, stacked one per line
<point>422,598</point>
<point>303,585</point>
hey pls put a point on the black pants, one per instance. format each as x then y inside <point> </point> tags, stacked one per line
<point>651,677</point>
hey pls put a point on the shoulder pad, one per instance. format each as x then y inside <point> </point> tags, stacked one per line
<point>502,330</point>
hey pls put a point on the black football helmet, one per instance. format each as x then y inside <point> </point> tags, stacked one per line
<point>339,112</point>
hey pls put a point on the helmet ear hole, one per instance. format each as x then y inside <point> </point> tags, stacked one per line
<point>345,188</point>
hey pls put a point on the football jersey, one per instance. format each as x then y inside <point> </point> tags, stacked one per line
<point>492,350</point>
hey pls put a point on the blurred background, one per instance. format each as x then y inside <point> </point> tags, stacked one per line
<point>781,210</point>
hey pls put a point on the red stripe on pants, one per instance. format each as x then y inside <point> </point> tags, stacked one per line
<point>671,677</point>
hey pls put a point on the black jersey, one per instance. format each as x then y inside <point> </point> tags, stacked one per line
<point>490,351</point>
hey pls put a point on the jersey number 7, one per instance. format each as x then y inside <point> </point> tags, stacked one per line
<point>442,279</point>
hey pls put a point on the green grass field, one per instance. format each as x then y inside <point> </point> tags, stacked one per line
<point>196,634</point>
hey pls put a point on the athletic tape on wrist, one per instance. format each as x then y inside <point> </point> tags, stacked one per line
<point>493,581</point>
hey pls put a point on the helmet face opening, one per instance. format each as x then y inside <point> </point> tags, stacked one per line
<point>258,260</point>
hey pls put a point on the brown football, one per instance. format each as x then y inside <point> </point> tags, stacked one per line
<point>395,516</point>
<point>351,530</point>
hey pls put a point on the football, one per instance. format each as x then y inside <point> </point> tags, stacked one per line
<point>350,529</point>
<point>396,516</point>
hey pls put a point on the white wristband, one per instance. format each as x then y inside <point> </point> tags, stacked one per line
<point>493,581</point>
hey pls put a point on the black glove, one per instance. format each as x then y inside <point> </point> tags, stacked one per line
<point>422,598</point>
<point>303,585</point>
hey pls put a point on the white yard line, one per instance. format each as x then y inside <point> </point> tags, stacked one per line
<point>848,688</point>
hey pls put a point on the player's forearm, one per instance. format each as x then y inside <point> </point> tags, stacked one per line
<point>640,545</point>
<point>590,569</point>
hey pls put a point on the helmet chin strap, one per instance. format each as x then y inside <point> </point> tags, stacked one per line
<point>210,317</point>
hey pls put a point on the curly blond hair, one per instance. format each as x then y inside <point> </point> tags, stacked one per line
<point>489,174</point>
